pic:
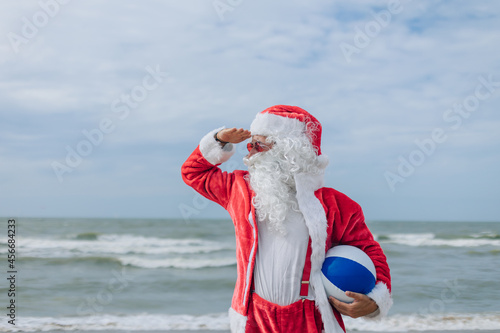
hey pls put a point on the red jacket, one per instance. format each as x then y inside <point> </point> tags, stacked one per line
<point>231,190</point>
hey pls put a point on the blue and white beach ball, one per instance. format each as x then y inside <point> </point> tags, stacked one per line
<point>347,268</point>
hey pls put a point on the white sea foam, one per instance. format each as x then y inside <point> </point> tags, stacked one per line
<point>182,263</point>
<point>443,322</point>
<point>220,321</point>
<point>115,245</point>
<point>429,239</point>
<point>142,322</point>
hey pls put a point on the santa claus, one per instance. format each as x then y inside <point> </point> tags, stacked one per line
<point>285,220</point>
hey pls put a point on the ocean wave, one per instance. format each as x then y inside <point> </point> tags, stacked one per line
<point>422,323</point>
<point>88,235</point>
<point>96,260</point>
<point>144,262</point>
<point>486,235</point>
<point>430,239</point>
<point>220,321</point>
<point>92,244</point>
<point>142,322</point>
<point>181,263</point>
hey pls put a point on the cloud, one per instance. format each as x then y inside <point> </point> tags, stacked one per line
<point>395,90</point>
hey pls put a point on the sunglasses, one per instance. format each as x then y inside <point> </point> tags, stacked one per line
<point>259,146</point>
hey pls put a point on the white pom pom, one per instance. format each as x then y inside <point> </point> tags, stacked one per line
<point>323,161</point>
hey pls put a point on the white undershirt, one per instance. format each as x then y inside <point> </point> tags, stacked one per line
<point>280,261</point>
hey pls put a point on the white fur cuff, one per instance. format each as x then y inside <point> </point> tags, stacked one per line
<point>237,322</point>
<point>381,295</point>
<point>212,150</point>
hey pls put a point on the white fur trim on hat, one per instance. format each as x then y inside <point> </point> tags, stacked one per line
<point>381,295</point>
<point>212,150</point>
<point>270,124</point>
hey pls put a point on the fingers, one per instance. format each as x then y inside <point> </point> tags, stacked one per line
<point>361,306</point>
<point>341,307</point>
<point>356,296</point>
<point>233,129</point>
<point>234,135</point>
<point>239,135</point>
<point>334,302</point>
<point>243,133</point>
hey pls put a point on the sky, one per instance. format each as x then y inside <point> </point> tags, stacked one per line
<point>102,101</point>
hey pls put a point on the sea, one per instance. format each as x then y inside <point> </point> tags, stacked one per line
<point>126,275</point>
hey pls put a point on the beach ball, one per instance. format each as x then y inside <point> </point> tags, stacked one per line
<point>347,268</point>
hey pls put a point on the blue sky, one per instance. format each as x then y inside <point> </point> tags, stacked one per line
<point>102,101</point>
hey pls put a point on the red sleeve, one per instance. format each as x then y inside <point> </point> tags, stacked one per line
<point>207,179</point>
<point>349,228</point>
<point>356,233</point>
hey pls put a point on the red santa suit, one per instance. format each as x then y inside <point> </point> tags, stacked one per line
<point>331,218</point>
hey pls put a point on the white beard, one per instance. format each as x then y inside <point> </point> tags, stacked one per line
<point>274,185</point>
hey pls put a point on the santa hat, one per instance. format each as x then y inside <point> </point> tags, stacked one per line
<point>292,121</point>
